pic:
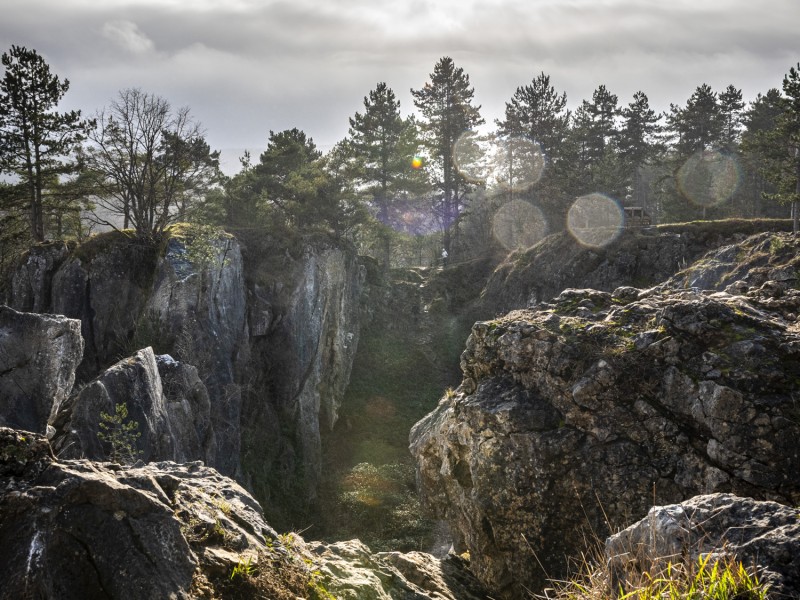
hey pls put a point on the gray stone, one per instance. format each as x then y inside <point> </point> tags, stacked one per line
<point>38,358</point>
<point>173,423</point>
<point>763,536</point>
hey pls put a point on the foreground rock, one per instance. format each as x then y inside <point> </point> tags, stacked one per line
<point>80,529</point>
<point>761,535</point>
<point>38,358</point>
<point>583,412</point>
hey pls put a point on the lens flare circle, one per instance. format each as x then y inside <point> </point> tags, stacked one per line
<point>471,156</point>
<point>503,164</point>
<point>518,163</point>
<point>709,178</point>
<point>519,224</point>
<point>595,220</point>
<point>416,162</point>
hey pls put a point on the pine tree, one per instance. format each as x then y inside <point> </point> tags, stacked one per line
<point>638,143</point>
<point>445,103</point>
<point>35,140</point>
<point>730,108</point>
<point>383,145</point>
<point>538,112</point>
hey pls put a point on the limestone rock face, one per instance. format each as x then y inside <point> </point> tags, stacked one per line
<point>38,358</point>
<point>583,411</point>
<point>763,535</point>
<point>173,414</point>
<point>80,529</point>
<point>128,295</point>
<point>350,570</point>
<point>204,309</point>
<point>300,368</point>
<point>31,282</point>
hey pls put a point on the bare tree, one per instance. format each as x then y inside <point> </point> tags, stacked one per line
<point>151,162</point>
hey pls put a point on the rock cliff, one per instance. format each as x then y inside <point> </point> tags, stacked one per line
<point>273,350</point>
<point>85,530</point>
<point>129,295</point>
<point>573,418</point>
<point>305,324</point>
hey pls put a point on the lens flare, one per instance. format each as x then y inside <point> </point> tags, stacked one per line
<point>595,220</point>
<point>709,178</point>
<point>503,164</point>
<point>518,224</point>
<point>471,156</point>
<point>518,163</point>
<point>416,162</point>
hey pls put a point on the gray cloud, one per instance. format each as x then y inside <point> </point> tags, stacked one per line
<point>247,67</point>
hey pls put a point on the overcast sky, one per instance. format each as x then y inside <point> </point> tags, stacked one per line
<point>246,67</point>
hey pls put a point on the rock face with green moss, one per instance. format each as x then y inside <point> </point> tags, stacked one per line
<point>38,358</point>
<point>81,529</point>
<point>129,295</point>
<point>575,417</point>
<point>274,352</point>
<point>763,536</point>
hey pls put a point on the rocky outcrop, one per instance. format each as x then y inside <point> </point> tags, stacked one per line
<point>129,294</point>
<point>305,333</point>
<point>637,257</point>
<point>38,358</point>
<point>166,400</point>
<point>572,418</point>
<point>201,305</point>
<point>31,282</point>
<point>79,529</point>
<point>769,259</point>
<point>763,536</point>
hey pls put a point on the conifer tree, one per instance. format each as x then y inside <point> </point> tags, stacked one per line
<point>445,103</point>
<point>383,145</point>
<point>35,140</point>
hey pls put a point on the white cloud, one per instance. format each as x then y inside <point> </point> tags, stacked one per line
<point>128,36</point>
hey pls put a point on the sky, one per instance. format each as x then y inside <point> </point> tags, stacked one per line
<point>245,67</point>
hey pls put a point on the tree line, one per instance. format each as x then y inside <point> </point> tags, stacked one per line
<point>400,187</point>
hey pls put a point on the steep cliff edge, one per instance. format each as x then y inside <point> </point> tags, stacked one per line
<point>585,411</point>
<point>128,295</point>
<point>305,326</point>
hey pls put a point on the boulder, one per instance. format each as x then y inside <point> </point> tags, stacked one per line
<point>38,358</point>
<point>763,536</point>
<point>571,419</point>
<point>79,530</point>
<point>349,569</point>
<point>172,415</point>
